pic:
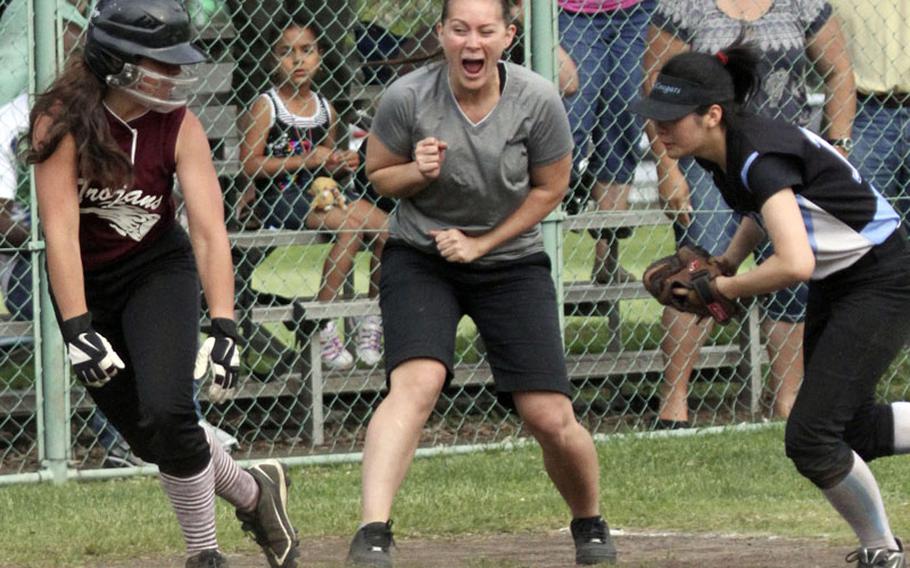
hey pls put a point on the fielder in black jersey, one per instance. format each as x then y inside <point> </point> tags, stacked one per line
<point>828,226</point>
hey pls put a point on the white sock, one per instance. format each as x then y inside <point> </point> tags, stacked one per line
<point>193,500</point>
<point>231,482</point>
<point>859,502</point>
<point>901,411</point>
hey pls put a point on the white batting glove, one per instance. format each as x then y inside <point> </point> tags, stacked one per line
<point>219,351</point>
<point>94,360</point>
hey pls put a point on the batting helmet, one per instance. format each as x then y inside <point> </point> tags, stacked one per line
<point>123,31</point>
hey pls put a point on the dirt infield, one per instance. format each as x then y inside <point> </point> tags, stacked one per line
<point>554,549</point>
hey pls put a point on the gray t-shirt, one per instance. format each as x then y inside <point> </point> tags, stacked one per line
<point>485,175</point>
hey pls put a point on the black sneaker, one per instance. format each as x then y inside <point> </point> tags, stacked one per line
<point>207,559</point>
<point>593,544</point>
<point>879,557</point>
<point>371,545</point>
<point>269,523</point>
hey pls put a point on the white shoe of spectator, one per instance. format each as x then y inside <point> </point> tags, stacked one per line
<point>334,355</point>
<point>228,442</point>
<point>369,340</point>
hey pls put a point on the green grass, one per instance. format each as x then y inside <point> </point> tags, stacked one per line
<point>736,482</point>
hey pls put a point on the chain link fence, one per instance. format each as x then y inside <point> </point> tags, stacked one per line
<point>287,100</point>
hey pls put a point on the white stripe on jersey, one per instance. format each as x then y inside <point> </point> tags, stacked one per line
<point>835,244</point>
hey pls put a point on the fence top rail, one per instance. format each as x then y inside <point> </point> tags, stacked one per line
<point>594,219</point>
<point>10,328</point>
<point>615,219</point>
<point>261,238</point>
<point>315,310</point>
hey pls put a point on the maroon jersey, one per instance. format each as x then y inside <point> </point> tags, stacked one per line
<point>115,223</point>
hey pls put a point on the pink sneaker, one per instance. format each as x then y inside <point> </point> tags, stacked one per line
<point>334,355</point>
<point>369,340</point>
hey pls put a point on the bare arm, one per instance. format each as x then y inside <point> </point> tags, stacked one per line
<point>58,209</point>
<point>792,261</point>
<point>548,186</point>
<point>748,236</point>
<point>400,176</point>
<point>671,184</point>
<point>828,50</point>
<point>568,73</point>
<point>206,217</point>
<point>255,126</point>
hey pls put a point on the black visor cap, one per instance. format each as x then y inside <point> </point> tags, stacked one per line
<point>672,98</point>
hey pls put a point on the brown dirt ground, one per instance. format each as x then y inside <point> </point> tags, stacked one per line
<point>554,549</point>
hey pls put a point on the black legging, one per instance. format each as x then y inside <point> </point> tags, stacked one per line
<point>857,320</point>
<point>148,308</point>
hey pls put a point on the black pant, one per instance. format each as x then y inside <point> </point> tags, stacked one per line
<point>857,321</point>
<point>148,308</point>
<point>513,303</point>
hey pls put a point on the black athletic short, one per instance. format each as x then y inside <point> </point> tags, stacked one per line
<point>513,304</point>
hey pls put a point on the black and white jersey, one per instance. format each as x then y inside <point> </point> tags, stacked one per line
<point>844,215</point>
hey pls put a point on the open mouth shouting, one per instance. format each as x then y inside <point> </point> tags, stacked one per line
<point>473,66</point>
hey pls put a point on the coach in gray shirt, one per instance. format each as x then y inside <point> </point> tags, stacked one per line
<point>478,152</point>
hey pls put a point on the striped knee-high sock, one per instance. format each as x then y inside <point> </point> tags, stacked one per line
<point>231,482</point>
<point>193,500</point>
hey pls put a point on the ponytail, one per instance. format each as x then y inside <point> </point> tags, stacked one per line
<point>733,69</point>
<point>741,61</point>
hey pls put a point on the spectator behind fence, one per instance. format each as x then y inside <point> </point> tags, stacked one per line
<point>252,48</point>
<point>478,152</point>
<point>566,69</point>
<point>792,36</point>
<point>15,268</point>
<point>606,39</point>
<point>878,35</point>
<point>289,149</point>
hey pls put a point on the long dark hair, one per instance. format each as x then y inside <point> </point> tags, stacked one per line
<point>736,64</point>
<point>73,103</point>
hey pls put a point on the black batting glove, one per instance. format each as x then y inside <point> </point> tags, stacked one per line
<point>94,360</point>
<point>220,352</point>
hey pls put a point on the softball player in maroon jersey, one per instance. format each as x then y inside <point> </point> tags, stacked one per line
<point>828,226</point>
<point>106,139</point>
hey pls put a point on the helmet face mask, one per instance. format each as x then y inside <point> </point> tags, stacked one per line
<point>158,91</point>
<point>122,33</point>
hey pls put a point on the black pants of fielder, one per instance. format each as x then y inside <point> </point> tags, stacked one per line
<point>148,308</point>
<point>857,321</point>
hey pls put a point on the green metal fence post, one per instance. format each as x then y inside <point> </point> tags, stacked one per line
<point>50,366</point>
<point>543,40</point>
